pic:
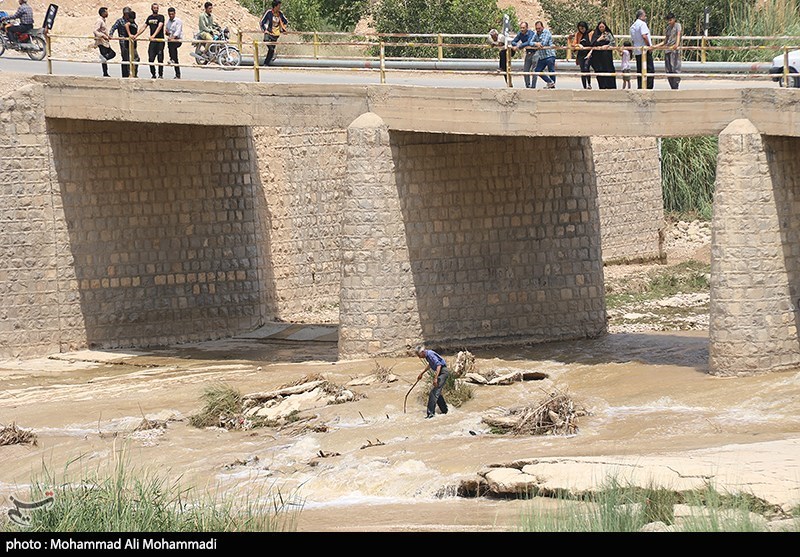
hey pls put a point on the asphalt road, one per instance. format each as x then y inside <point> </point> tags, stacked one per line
<point>14,62</point>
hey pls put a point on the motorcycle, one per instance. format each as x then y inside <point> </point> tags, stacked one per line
<point>219,52</point>
<point>31,43</point>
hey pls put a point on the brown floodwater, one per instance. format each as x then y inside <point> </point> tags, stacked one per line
<point>384,470</point>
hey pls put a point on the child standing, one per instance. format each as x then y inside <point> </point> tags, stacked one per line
<point>626,65</point>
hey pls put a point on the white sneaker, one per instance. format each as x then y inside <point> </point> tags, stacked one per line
<point>102,58</point>
<point>550,86</point>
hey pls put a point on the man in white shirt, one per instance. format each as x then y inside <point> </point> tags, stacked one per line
<point>640,36</point>
<point>498,41</point>
<point>174,28</point>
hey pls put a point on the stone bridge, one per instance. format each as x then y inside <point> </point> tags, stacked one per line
<point>137,214</point>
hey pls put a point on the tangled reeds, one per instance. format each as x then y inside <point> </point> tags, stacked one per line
<point>13,435</point>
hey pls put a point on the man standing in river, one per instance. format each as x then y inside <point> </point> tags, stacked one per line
<point>437,366</point>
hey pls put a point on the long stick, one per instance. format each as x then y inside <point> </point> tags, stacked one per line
<point>408,393</point>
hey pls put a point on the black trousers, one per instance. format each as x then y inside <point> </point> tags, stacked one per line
<point>586,80</point>
<point>270,48</point>
<point>651,69</point>
<point>155,51</point>
<point>173,47</point>
<point>126,58</point>
<point>107,53</point>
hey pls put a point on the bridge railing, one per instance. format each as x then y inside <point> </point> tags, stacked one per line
<point>373,55</point>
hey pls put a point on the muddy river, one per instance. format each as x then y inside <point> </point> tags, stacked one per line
<point>385,470</point>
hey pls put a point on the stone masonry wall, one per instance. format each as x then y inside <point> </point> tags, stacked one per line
<point>302,171</point>
<point>499,250</point>
<point>39,311</point>
<point>755,258</point>
<point>630,198</point>
<point>161,230</point>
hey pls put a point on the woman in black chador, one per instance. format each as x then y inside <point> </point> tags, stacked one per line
<point>602,61</point>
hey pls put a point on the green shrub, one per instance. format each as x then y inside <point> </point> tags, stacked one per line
<point>440,16</point>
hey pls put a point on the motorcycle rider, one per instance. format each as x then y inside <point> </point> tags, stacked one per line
<point>207,29</point>
<point>25,16</point>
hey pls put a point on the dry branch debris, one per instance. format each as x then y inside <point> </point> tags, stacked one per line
<point>557,414</point>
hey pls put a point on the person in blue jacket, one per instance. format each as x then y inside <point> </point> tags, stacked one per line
<point>438,367</point>
<point>273,24</point>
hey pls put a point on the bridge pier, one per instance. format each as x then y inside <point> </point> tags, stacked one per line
<point>755,257</point>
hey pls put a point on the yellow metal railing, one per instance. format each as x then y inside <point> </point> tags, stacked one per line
<point>374,48</point>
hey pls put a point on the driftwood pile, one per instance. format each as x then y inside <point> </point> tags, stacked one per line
<point>465,367</point>
<point>13,435</point>
<point>382,374</point>
<point>464,364</point>
<point>556,414</point>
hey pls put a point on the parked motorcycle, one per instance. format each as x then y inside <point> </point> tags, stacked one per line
<point>219,52</point>
<point>31,43</point>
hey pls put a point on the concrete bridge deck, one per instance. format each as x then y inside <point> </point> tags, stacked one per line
<point>472,111</point>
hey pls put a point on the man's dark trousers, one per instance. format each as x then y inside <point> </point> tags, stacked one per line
<point>651,69</point>
<point>156,51</point>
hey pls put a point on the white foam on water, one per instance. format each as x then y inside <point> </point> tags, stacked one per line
<point>661,405</point>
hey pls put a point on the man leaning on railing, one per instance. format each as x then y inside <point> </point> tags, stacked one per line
<point>547,56</point>
<point>523,41</point>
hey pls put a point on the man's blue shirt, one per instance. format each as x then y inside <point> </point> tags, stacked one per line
<point>434,360</point>
<point>545,38</point>
<point>523,39</point>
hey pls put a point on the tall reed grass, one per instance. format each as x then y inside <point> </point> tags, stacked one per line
<point>766,18</point>
<point>688,174</point>
<point>123,498</point>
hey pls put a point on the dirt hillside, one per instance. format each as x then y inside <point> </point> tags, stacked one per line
<point>76,18</point>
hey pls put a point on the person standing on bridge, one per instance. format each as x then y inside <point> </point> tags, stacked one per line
<point>581,41</point>
<point>102,40</point>
<point>121,28</point>
<point>438,367</point>
<point>273,24</point>
<point>672,54</point>
<point>601,57</point>
<point>640,36</point>
<point>133,31</point>
<point>543,40</point>
<point>498,41</point>
<point>523,41</point>
<point>155,49</point>
<point>174,37</point>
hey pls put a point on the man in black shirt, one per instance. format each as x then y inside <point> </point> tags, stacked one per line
<point>124,45</point>
<point>155,50</point>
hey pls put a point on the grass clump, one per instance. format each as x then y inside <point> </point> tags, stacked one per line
<point>620,507</point>
<point>456,392</point>
<point>684,278</point>
<point>220,404</point>
<point>124,499</point>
